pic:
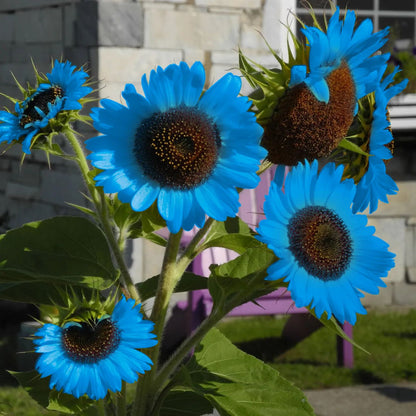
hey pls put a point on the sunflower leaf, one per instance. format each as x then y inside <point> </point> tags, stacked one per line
<point>241,280</point>
<point>237,383</point>
<point>183,402</point>
<point>60,250</point>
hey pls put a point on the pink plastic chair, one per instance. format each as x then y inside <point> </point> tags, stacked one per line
<point>199,303</point>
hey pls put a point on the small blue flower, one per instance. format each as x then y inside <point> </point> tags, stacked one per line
<point>62,90</point>
<point>341,45</point>
<point>326,253</point>
<point>376,184</point>
<point>186,151</point>
<point>94,357</point>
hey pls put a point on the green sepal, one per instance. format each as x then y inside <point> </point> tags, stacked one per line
<point>38,389</point>
<point>334,326</point>
<point>189,281</point>
<point>237,383</point>
<point>352,147</point>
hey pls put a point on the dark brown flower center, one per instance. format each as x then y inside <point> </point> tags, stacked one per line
<point>178,148</point>
<point>303,127</point>
<point>320,242</point>
<point>90,343</point>
<point>41,101</point>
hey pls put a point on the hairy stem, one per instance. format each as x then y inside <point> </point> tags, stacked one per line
<point>98,199</point>
<point>169,277</point>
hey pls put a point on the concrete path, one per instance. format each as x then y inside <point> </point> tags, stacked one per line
<point>369,400</point>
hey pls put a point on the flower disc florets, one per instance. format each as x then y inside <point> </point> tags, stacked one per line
<point>178,148</point>
<point>320,242</point>
<point>187,150</point>
<point>47,109</point>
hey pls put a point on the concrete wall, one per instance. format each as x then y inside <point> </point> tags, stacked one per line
<point>118,41</point>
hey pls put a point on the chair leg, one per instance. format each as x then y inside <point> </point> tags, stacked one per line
<point>345,351</point>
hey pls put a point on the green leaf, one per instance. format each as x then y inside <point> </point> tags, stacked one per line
<point>352,147</point>
<point>38,389</point>
<point>189,281</point>
<point>66,403</point>
<point>242,279</point>
<point>233,234</point>
<point>59,250</point>
<point>238,384</point>
<point>180,402</point>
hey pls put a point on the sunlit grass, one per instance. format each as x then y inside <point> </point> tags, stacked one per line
<point>389,337</point>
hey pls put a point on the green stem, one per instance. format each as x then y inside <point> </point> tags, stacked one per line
<point>190,251</point>
<point>121,400</point>
<point>98,199</point>
<point>182,351</point>
<point>169,277</point>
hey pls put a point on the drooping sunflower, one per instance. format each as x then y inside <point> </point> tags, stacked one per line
<point>326,253</point>
<point>309,103</point>
<point>186,151</point>
<point>373,182</point>
<point>59,92</point>
<point>94,356</point>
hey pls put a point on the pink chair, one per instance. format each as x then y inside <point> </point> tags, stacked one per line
<point>299,325</point>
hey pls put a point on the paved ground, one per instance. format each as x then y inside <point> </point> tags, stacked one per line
<point>370,400</point>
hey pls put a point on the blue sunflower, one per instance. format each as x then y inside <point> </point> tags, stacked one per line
<point>95,356</point>
<point>189,152</point>
<point>342,46</point>
<point>61,91</point>
<point>326,253</point>
<point>376,184</point>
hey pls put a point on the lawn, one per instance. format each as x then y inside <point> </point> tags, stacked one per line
<point>311,364</point>
<point>389,337</point>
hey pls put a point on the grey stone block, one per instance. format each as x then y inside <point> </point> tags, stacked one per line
<point>383,298</point>
<point>39,25</point>
<point>7,27</point>
<point>191,29</point>
<point>20,191</point>
<point>4,180</point>
<point>6,51</point>
<point>109,24</point>
<point>41,53</point>
<point>78,55</point>
<point>27,174</point>
<point>392,230</point>
<point>22,212</point>
<point>411,274</point>
<point>404,293</point>
<point>59,188</point>
<point>403,204</point>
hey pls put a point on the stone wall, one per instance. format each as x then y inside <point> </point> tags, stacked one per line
<point>118,41</point>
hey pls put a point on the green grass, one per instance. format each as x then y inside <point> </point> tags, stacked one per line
<point>311,364</point>
<point>389,337</point>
